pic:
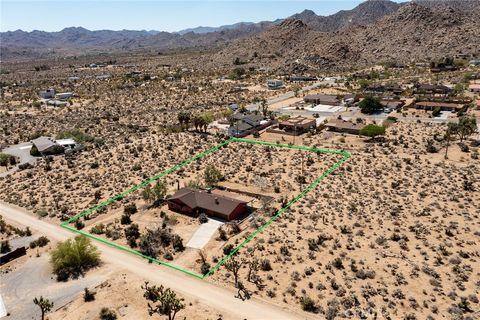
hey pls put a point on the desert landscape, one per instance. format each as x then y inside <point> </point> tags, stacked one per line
<point>310,167</point>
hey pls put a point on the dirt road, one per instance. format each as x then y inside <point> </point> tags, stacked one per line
<point>219,298</point>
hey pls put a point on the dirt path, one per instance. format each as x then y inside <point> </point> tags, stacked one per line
<point>219,298</point>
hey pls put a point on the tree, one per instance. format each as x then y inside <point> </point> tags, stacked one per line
<point>363,83</point>
<point>264,107</point>
<point>44,304</point>
<point>233,265</point>
<point>108,314</point>
<point>370,105</point>
<point>372,131</point>
<point>212,175</point>
<point>184,118</point>
<point>166,300</point>
<point>5,246</point>
<point>253,267</point>
<point>74,257</point>
<point>206,118</point>
<point>467,125</point>
<point>156,193</point>
<point>34,152</point>
<point>452,129</point>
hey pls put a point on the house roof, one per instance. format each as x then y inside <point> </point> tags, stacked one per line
<point>438,104</point>
<point>253,117</point>
<point>298,120</point>
<point>43,143</point>
<point>195,198</point>
<point>343,124</point>
<point>241,126</point>
<point>322,97</point>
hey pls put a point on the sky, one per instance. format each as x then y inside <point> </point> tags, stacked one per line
<point>152,15</point>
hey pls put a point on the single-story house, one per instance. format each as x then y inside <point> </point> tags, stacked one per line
<point>444,106</point>
<point>46,145</point>
<point>322,99</point>
<point>64,95</point>
<point>239,128</point>
<point>56,103</point>
<point>392,104</point>
<point>295,78</point>
<point>274,84</point>
<point>474,87</point>
<point>194,201</point>
<point>47,94</point>
<point>340,125</point>
<point>298,124</point>
<point>431,89</point>
<point>254,120</point>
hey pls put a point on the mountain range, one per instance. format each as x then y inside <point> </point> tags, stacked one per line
<point>375,29</point>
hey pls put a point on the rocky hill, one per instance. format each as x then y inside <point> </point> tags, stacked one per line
<point>413,32</point>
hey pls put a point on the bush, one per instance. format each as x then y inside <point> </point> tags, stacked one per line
<point>34,152</point>
<point>5,246</point>
<point>177,243</point>
<point>79,224</point>
<point>98,229</point>
<point>308,304</point>
<point>205,268</point>
<point>227,249</point>
<point>88,295</point>
<point>125,219</point>
<point>203,218</point>
<point>108,314</point>
<point>73,257</point>
<point>265,265</point>
<point>130,209</point>
<point>40,242</point>
<point>132,232</point>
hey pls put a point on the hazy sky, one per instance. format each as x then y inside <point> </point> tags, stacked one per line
<point>148,15</point>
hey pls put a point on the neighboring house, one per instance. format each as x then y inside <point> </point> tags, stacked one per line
<point>298,125</point>
<point>254,120</point>
<point>67,144</point>
<point>46,146</point>
<point>322,99</point>
<point>274,84</point>
<point>63,95</point>
<point>475,87</point>
<point>47,94</point>
<point>375,89</point>
<point>431,89</point>
<point>103,77</point>
<point>339,125</point>
<point>444,106</point>
<point>56,103</point>
<point>392,104</point>
<point>239,128</point>
<point>295,78</point>
<point>474,63</point>
<point>194,202</point>
<point>233,106</point>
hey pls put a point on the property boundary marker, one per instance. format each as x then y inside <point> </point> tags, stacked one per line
<point>345,155</point>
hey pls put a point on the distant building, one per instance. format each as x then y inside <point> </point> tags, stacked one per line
<point>298,125</point>
<point>239,129</point>
<point>46,146</point>
<point>444,106</point>
<point>56,103</point>
<point>103,77</point>
<point>322,99</point>
<point>295,78</point>
<point>339,125</point>
<point>431,89</point>
<point>474,87</point>
<point>274,84</point>
<point>474,63</point>
<point>64,95</point>
<point>47,94</point>
<point>194,202</point>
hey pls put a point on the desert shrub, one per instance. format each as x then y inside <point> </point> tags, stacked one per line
<point>5,246</point>
<point>265,265</point>
<point>337,263</point>
<point>125,219</point>
<point>203,218</point>
<point>74,257</point>
<point>40,242</point>
<point>177,243</point>
<point>108,314</point>
<point>130,209</point>
<point>205,268</point>
<point>34,152</point>
<point>132,231</point>
<point>98,229</point>
<point>227,249</point>
<point>42,213</point>
<point>222,234</point>
<point>168,256</point>
<point>308,304</point>
<point>88,295</point>
<point>79,224</point>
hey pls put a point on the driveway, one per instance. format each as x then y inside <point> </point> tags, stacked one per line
<point>203,234</point>
<point>22,151</point>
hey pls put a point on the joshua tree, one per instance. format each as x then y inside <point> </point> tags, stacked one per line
<point>166,300</point>
<point>44,304</point>
<point>233,265</point>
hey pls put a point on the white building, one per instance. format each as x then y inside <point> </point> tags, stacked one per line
<point>274,84</point>
<point>47,94</point>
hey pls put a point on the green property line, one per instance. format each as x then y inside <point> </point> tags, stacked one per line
<point>65,225</point>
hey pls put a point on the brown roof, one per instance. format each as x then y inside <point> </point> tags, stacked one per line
<point>202,199</point>
<point>321,97</point>
<point>343,124</point>
<point>438,104</point>
<point>298,120</point>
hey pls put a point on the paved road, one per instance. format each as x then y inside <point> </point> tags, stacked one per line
<point>219,298</point>
<point>22,151</point>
